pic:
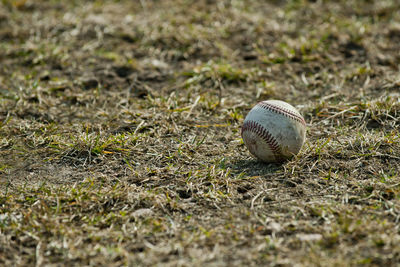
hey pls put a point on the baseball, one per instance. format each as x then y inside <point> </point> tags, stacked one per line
<point>274,131</point>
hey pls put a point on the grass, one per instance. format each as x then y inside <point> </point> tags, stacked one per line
<point>120,133</point>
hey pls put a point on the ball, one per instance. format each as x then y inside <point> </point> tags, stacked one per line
<point>274,131</point>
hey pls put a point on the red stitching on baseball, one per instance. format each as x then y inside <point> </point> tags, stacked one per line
<point>256,128</point>
<point>286,112</point>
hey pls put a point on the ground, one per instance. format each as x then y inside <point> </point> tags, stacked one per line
<point>120,133</point>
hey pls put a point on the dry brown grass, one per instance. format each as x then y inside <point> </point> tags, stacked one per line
<point>120,133</point>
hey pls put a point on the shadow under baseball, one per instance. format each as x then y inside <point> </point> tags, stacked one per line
<point>254,167</point>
